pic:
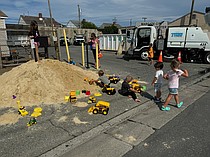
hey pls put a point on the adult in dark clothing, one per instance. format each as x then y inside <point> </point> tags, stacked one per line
<point>34,34</point>
<point>126,90</point>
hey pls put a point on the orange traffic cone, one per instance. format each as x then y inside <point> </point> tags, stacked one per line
<point>160,59</point>
<point>179,57</point>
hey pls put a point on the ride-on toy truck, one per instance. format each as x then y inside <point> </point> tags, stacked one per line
<point>101,107</point>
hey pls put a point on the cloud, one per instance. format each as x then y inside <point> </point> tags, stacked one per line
<point>103,11</point>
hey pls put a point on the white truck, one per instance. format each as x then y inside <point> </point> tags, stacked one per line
<point>193,42</point>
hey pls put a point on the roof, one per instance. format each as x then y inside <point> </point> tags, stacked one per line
<point>75,22</point>
<point>109,24</point>
<point>45,22</point>
<point>186,15</point>
<point>2,14</point>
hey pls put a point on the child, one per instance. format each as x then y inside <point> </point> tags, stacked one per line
<point>126,90</point>
<point>173,77</point>
<point>102,80</point>
<point>158,80</point>
<point>151,54</point>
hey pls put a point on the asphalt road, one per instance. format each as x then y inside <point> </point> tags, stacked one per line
<point>187,135</point>
<point>50,132</point>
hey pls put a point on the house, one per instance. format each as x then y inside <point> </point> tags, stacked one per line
<point>4,50</point>
<point>197,20</point>
<point>73,24</point>
<point>44,23</point>
<point>109,24</point>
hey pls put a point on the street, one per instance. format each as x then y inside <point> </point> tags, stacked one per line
<point>186,135</point>
<point>51,137</point>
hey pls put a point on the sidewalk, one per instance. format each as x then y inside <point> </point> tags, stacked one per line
<point>117,136</point>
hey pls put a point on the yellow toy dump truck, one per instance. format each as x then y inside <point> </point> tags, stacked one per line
<point>135,85</point>
<point>101,107</point>
<point>108,90</point>
<point>113,79</point>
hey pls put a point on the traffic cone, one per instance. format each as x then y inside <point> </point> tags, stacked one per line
<point>160,59</point>
<point>179,57</point>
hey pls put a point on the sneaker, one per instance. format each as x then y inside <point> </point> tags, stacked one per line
<point>157,99</point>
<point>165,108</point>
<point>179,105</point>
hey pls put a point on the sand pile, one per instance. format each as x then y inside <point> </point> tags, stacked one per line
<point>46,82</point>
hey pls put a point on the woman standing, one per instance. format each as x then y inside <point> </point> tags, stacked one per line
<point>93,41</point>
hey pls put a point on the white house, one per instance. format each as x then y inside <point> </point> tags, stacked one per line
<point>4,50</point>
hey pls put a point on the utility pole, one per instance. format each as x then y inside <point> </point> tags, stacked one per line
<point>51,21</point>
<point>130,22</point>
<point>79,11</point>
<point>54,34</point>
<point>191,12</point>
<point>144,18</point>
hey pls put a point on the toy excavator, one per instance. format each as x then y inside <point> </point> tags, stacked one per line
<point>113,78</point>
<point>109,90</point>
<point>89,81</point>
<point>136,86</point>
<point>101,107</point>
<point>91,100</point>
<point>21,109</point>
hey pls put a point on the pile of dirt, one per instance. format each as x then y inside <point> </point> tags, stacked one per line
<point>46,82</point>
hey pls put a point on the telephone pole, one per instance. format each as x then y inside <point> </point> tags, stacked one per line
<point>79,12</point>
<point>51,21</point>
<point>191,12</point>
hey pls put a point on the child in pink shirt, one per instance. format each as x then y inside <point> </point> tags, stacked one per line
<point>173,77</point>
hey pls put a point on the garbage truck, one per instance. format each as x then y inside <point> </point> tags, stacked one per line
<point>192,42</point>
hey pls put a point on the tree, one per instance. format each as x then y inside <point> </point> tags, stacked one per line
<point>110,30</point>
<point>88,25</point>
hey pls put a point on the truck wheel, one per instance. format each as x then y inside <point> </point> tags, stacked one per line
<point>207,58</point>
<point>95,111</point>
<point>105,112</point>
<point>144,54</point>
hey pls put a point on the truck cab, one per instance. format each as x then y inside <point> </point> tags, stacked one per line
<point>143,36</point>
<point>79,39</point>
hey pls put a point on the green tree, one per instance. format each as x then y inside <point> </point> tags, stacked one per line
<point>88,25</point>
<point>110,30</point>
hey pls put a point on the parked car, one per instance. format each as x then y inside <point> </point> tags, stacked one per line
<point>62,41</point>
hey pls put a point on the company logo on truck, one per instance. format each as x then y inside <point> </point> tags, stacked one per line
<point>176,34</point>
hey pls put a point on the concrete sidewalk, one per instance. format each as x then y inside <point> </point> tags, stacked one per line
<point>117,136</point>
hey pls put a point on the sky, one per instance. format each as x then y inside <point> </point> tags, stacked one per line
<point>124,12</point>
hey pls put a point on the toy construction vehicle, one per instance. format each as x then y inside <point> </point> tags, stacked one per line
<point>101,107</point>
<point>31,122</point>
<point>113,79</point>
<point>92,99</point>
<point>136,86</point>
<point>72,97</point>
<point>89,81</point>
<point>108,90</point>
<point>21,109</point>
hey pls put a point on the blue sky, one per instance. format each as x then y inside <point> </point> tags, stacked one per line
<point>102,11</point>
